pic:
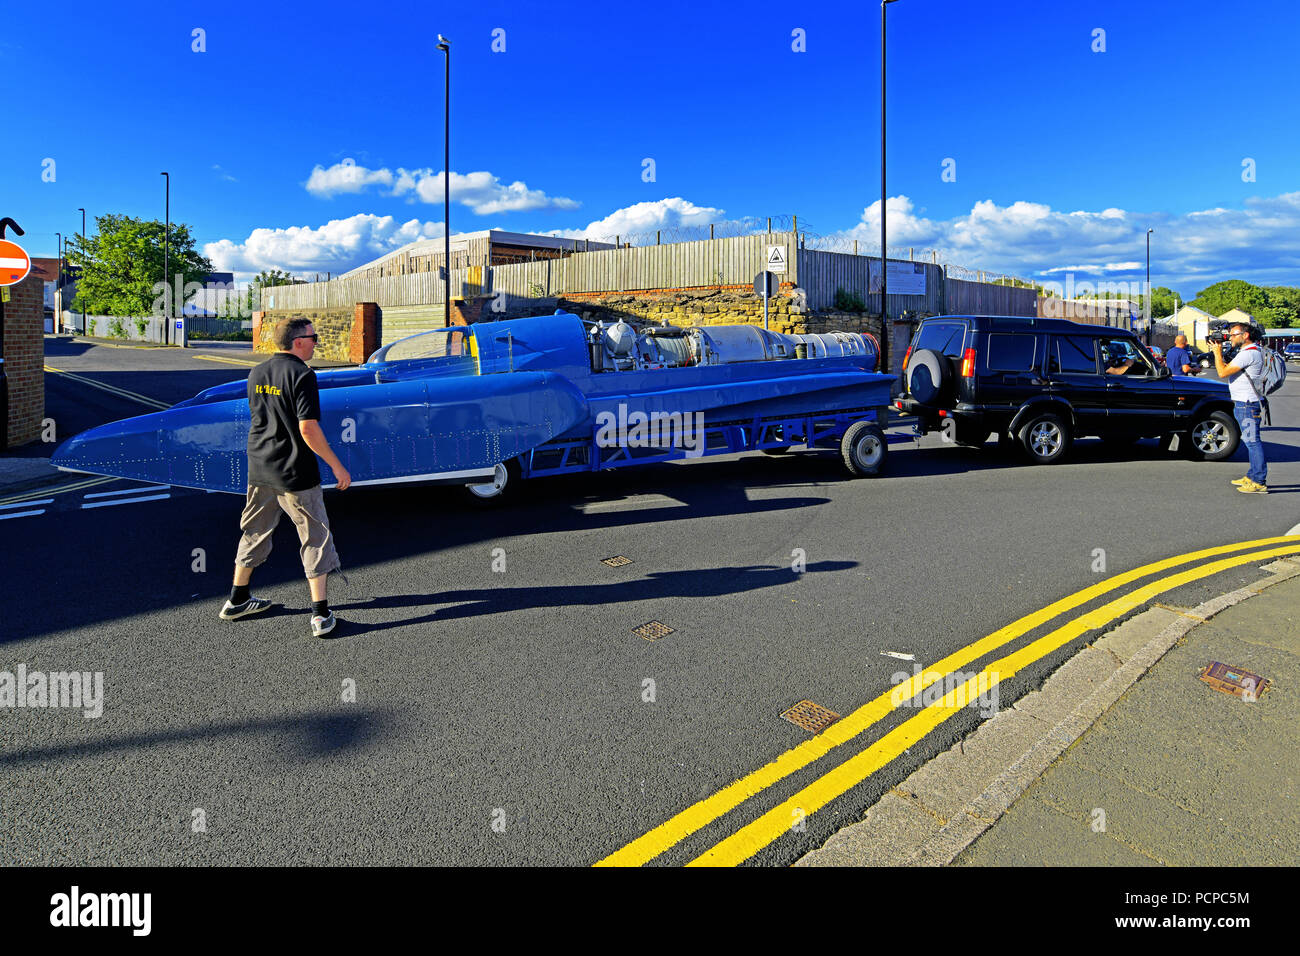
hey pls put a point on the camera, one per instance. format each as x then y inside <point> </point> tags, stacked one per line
<point>1216,338</point>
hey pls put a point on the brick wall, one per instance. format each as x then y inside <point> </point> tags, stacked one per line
<point>24,329</point>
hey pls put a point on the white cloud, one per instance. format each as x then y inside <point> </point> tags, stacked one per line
<point>482,192</point>
<point>644,217</point>
<point>337,246</point>
<point>1259,242</point>
<point>345,177</point>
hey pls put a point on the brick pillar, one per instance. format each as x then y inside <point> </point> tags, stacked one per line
<point>24,330</point>
<point>365,331</point>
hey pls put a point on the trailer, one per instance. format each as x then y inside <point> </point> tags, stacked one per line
<point>491,404</point>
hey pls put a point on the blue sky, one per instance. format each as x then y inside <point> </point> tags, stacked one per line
<point>1063,156</point>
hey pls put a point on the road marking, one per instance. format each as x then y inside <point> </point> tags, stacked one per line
<point>747,841</point>
<point>123,501</point>
<point>75,486</point>
<point>112,389</point>
<point>1295,530</point>
<point>29,504</point>
<point>127,491</point>
<point>228,361</point>
<point>22,514</point>
<point>701,814</point>
<point>899,654</point>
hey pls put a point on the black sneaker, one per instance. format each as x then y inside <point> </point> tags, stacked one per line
<point>320,626</point>
<point>232,612</point>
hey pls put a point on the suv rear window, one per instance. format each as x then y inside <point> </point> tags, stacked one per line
<point>1011,352</point>
<point>946,338</point>
<point>1073,353</point>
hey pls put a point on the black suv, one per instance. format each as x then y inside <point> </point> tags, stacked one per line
<point>1045,382</point>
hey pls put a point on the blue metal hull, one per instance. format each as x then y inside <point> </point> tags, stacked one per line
<point>519,387</point>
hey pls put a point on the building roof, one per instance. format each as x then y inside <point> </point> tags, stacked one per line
<point>460,242</point>
<point>47,269</point>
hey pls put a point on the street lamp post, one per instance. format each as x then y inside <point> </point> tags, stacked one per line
<point>884,253</point>
<point>1148,297</point>
<point>167,282</point>
<point>83,268</point>
<point>445,46</point>
<point>58,285</point>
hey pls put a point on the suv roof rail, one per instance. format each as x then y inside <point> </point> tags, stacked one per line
<point>1029,321</point>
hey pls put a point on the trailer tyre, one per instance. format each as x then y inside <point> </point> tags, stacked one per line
<point>504,484</point>
<point>864,449</point>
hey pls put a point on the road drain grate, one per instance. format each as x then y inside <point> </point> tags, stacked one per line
<point>1234,680</point>
<point>653,630</point>
<point>617,561</point>
<point>813,718</point>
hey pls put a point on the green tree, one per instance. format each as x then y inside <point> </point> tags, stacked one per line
<point>122,266</point>
<point>1231,294</point>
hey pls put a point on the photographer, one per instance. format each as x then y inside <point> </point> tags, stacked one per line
<point>1245,377</point>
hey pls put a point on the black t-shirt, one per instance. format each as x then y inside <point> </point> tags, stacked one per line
<point>282,392</point>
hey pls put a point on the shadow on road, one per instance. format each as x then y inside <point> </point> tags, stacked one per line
<point>476,602</point>
<point>312,737</point>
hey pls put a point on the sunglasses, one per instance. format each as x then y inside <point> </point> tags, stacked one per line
<point>314,337</point>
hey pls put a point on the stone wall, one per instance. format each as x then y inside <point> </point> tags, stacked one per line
<point>346,335</point>
<point>719,307</point>
<point>24,355</point>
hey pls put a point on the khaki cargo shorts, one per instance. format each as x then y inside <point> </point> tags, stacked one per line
<point>306,509</point>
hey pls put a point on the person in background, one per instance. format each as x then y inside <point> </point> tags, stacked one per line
<point>1178,359</point>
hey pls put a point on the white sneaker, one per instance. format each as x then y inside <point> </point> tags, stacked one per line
<point>320,626</point>
<point>232,612</point>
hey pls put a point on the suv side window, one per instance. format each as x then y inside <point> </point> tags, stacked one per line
<point>1075,354</point>
<point>946,338</point>
<point>1011,351</point>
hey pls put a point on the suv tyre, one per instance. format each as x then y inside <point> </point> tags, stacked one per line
<point>1046,438</point>
<point>1214,437</point>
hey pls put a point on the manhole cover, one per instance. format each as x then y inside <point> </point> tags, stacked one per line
<point>1234,680</point>
<point>652,631</point>
<point>617,561</point>
<point>813,718</point>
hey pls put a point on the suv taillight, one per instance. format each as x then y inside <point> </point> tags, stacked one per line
<point>968,364</point>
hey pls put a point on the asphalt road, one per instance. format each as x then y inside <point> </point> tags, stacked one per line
<point>502,716</point>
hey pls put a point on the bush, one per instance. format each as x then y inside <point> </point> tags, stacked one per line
<point>849,302</point>
<point>140,326</point>
<point>116,329</point>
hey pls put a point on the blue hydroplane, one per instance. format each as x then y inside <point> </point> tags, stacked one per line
<point>489,404</point>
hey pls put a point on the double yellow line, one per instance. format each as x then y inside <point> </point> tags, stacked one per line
<point>753,837</point>
<point>111,389</point>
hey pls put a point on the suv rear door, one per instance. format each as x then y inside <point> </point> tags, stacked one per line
<point>1073,375</point>
<point>1008,373</point>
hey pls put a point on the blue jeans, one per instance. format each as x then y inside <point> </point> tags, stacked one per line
<point>1248,415</point>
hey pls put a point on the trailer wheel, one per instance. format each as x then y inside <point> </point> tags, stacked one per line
<point>863,449</point>
<point>505,482</point>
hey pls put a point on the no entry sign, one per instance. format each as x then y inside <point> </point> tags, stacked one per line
<point>15,263</point>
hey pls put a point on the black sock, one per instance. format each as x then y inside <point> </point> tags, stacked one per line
<point>320,608</point>
<point>239,594</point>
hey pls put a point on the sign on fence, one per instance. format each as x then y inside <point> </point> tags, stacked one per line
<point>905,278</point>
<point>776,259</point>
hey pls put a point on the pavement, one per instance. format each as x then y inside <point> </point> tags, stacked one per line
<point>1123,758</point>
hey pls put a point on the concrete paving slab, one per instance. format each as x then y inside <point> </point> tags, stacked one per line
<point>1046,837</point>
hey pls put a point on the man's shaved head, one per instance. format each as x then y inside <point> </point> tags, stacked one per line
<point>1180,340</point>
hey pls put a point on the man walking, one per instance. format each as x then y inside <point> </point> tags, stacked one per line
<point>1245,377</point>
<point>1178,360</point>
<point>284,439</point>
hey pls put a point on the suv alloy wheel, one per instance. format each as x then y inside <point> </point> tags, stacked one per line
<point>1046,438</point>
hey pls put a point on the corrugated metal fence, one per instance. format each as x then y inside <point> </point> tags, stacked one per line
<point>680,265</point>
